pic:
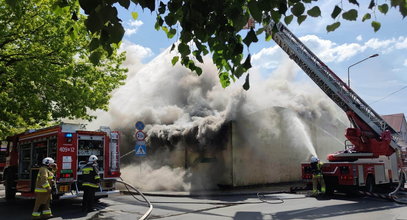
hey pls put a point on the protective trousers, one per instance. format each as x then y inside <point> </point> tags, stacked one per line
<point>88,198</point>
<point>42,199</point>
<point>318,179</point>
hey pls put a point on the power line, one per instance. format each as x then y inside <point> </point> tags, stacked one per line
<point>389,95</point>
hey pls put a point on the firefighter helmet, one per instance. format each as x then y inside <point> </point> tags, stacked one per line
<point>47,161</point>
<point>314,159</point>
<point>93,158</point>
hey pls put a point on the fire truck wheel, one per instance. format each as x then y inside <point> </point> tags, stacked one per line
<point>10,192</point>
<point>370,184</point>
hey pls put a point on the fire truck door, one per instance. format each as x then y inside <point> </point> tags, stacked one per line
<point>361,177</point>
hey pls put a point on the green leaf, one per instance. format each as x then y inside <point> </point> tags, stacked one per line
<point>298,9</point>
<point>288,19</point>
<point>247,65</point>
<point>250,37</point>
<point>314,12</point>
<point>125,3</point>
<point>254,9</point>
<point>170,19</point>
<point>183,49</point>
<point>94,44</point>
<point>174,60</point>
<point>161,8</point>
<point>260,31</point>
<point>376,25</point>
<point>350,15</point>
<point>333,27</point>
<point>171,33</point>
<point>134,15</point>
<point>301,18</point>
<point>372,4</point>
<point>224,79</point>
<point>246,85</point>
<point>367,16</point>
<point>239,71</point>
<point>384,8</point>
<point>12,3</point>
<point>95,57</point>
<point>354,2</point>
<point>337,10</point>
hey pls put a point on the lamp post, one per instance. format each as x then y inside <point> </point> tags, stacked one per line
<point>374,55</point>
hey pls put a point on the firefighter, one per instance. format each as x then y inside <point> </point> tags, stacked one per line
<point>43,188</point>
<point>90,183</point>
<point>317,177</point>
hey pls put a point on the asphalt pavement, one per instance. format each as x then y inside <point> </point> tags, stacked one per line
<point>261,203</point>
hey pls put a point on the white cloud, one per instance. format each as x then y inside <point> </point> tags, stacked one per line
<point>359,38</point>
<point>329,51</point>
<point>130,31</point>
<point>402,43</point>
<point>405,62</point>
<point>135,25</point>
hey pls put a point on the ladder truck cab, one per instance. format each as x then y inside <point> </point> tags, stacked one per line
<point>371,156</point>
<point>70,146</point>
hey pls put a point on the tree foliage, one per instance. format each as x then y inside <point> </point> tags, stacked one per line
<point>214,27</point>
<point>46,71</point>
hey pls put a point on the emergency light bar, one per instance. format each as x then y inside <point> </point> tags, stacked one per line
<point>68,135</point>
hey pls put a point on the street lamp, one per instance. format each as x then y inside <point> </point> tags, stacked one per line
<point>374,55</point>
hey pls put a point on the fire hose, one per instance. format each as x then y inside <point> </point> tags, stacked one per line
<point>150,209</point>
<point>402,181</point>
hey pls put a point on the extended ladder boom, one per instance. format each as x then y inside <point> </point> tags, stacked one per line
<point>328,81</point>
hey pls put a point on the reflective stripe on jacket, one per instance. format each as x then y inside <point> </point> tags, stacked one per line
<point>42,183</point>
<point>91,176</point>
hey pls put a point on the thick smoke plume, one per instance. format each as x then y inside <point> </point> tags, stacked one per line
<point>190,123</point>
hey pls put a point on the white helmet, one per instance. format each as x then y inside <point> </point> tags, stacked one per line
<point>47,161</point>
<point>314,159</point>
<point>93,158</point>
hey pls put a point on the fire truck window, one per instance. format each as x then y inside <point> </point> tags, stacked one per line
<point>52,148</point>
<point>3,151</point>
<point>91,147</point>
<point>25,161</point>
<point>39,153</point>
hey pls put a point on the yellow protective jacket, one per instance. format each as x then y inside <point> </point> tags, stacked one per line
<point>44,180</point>
<point>91,176</point>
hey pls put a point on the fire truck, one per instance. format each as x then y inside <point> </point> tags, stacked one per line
<point>371,156</point>
<point>69,145</point>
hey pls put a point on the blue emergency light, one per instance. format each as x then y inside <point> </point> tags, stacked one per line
<point>68,135</point>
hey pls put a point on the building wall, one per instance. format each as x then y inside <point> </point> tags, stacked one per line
<point>272,153</point>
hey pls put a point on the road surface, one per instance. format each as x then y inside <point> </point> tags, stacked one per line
<point>247,205</point>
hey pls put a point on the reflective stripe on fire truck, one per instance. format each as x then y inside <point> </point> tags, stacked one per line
<point>90,184</point>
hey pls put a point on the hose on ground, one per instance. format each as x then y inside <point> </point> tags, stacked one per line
<point>150,209</point>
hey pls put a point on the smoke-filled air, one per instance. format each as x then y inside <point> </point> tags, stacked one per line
<point>201,136</point>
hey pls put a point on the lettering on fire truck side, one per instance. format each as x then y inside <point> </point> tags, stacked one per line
<point>67,149</point>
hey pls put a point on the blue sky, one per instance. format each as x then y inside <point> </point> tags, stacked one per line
<point>373,80</point>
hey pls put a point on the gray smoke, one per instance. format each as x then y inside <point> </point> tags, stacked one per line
<point>189,119</point>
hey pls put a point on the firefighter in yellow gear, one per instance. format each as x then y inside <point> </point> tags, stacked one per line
<point>317,177</point>
<point>43,188</point>
<point>90,183</point>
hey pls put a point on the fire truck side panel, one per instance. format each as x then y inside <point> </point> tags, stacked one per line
<point>67,157</point>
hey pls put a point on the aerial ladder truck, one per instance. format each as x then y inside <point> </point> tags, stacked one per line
<point>371,156</point>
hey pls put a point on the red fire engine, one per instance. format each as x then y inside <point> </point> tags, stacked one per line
<point>372,156</point>
<point>70,146</point>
